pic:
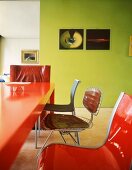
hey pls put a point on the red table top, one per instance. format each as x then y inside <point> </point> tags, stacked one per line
<point>18,112</point>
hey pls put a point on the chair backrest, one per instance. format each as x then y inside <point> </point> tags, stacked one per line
<point>73,91</point>
<point>31,73</point>
<point>119,140</point>
<point>114,154</point>
<point>92,99</point>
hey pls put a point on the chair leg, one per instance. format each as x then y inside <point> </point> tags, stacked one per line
<point>36,124</point>
<point>77,137</point>
<point>39,128</point>
<point>76,133</point>
<point>76,141</point>
<point>62,136</point>
<point>45,143</point>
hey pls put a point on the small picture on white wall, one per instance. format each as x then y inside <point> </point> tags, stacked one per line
<point>30,56</point>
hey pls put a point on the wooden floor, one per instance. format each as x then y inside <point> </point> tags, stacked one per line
<point>26,159</point>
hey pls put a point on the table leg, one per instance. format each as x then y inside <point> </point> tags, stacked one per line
<point>36,134</point>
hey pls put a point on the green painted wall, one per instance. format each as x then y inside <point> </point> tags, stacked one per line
<point>110,70</point>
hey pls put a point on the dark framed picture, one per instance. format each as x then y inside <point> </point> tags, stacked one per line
<point>97,39</point>
<point>71,39</point>
<point>30,56</point>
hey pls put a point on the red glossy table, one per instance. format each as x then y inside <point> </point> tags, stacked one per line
<point>19,111</point>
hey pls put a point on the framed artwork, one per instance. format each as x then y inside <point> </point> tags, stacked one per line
<point>97,39</point>
<point>30,56</point>
<point>71,39</point>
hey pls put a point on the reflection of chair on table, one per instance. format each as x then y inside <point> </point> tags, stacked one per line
<point>114,154</point>
<point>68,124</point>
<point>30,73</point>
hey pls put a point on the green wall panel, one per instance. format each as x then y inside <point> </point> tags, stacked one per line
<point>109,70</point>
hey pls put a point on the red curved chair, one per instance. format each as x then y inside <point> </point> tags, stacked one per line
<point>114,154</point>
<point>31,73</point>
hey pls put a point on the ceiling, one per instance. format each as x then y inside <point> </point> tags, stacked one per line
<point>20,19</point>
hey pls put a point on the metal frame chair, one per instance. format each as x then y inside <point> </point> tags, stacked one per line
<point>64,107</point>
<point>68,124</point>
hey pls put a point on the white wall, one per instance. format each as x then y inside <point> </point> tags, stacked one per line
<point>19,28</point>
<point>20,19</point>
<point>11,50</point>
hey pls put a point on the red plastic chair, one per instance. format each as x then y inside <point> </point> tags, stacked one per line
<point>114,154</point>
<point>30,73</point>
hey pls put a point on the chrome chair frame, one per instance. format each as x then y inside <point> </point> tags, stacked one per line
<point>91,101</point>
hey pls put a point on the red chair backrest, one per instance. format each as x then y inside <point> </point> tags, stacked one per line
<point>120,136</point>
<point>114,154</point>
<point>91,99</point>
<point>29,73</point>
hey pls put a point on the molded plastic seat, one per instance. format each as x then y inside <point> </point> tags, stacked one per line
<point>114,154</point>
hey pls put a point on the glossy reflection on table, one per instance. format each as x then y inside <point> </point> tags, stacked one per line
<point>19,111</point>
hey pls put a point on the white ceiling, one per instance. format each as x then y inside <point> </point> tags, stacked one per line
<point>20,19</point>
